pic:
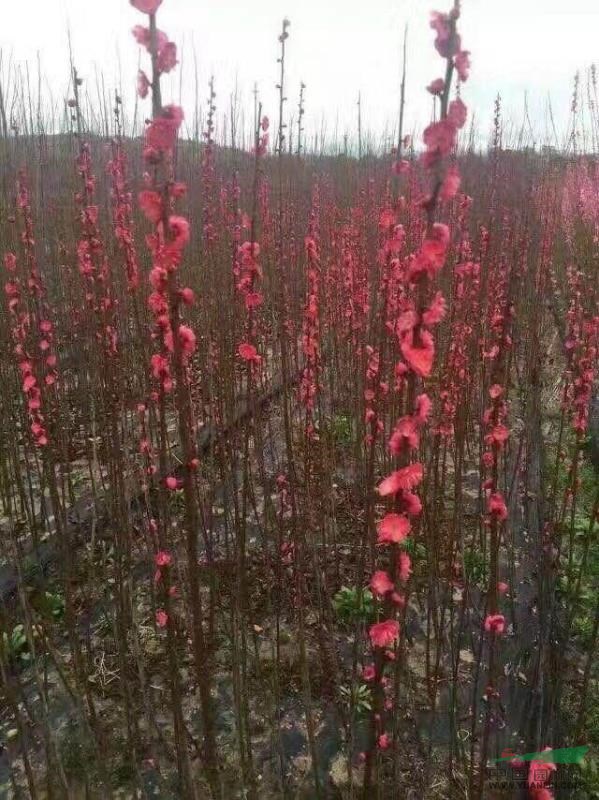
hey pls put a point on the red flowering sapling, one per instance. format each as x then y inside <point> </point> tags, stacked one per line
<point>176,343</point>
<point>413,326</point>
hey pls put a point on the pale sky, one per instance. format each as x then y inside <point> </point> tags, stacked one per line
<point>337,47</point>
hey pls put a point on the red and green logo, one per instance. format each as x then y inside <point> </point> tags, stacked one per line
<point>561,755</point>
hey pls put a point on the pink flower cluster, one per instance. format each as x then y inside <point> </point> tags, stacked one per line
<point>167,249</point>
<point>457,377</point>
<point>582,346</point>
<point>448,42</point>
<point>248,272</point>
<point>495,623</point>
<point>311,322</point>
<point>20,324</point>
<point>166,51</point>
<point>263,138</point>
<point>171,231</point>
<point>122,205</point>
<point>161,135</point>
<point>32,331</point>
<point>440,137</point>
<point>495,438</point>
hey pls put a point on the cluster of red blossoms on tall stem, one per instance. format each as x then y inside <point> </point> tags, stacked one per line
<point>166,243</point>
<point>457,377</point>
<point>415,317</point>
<point>122,212</point>
<point>250,270</point>
<point>246,268</point>
<point>496,433</point>
<point>164,54</point>
<point>581,353</point>
<point>32,330</point>
<point>311,323</point>
<point>94,266</point>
